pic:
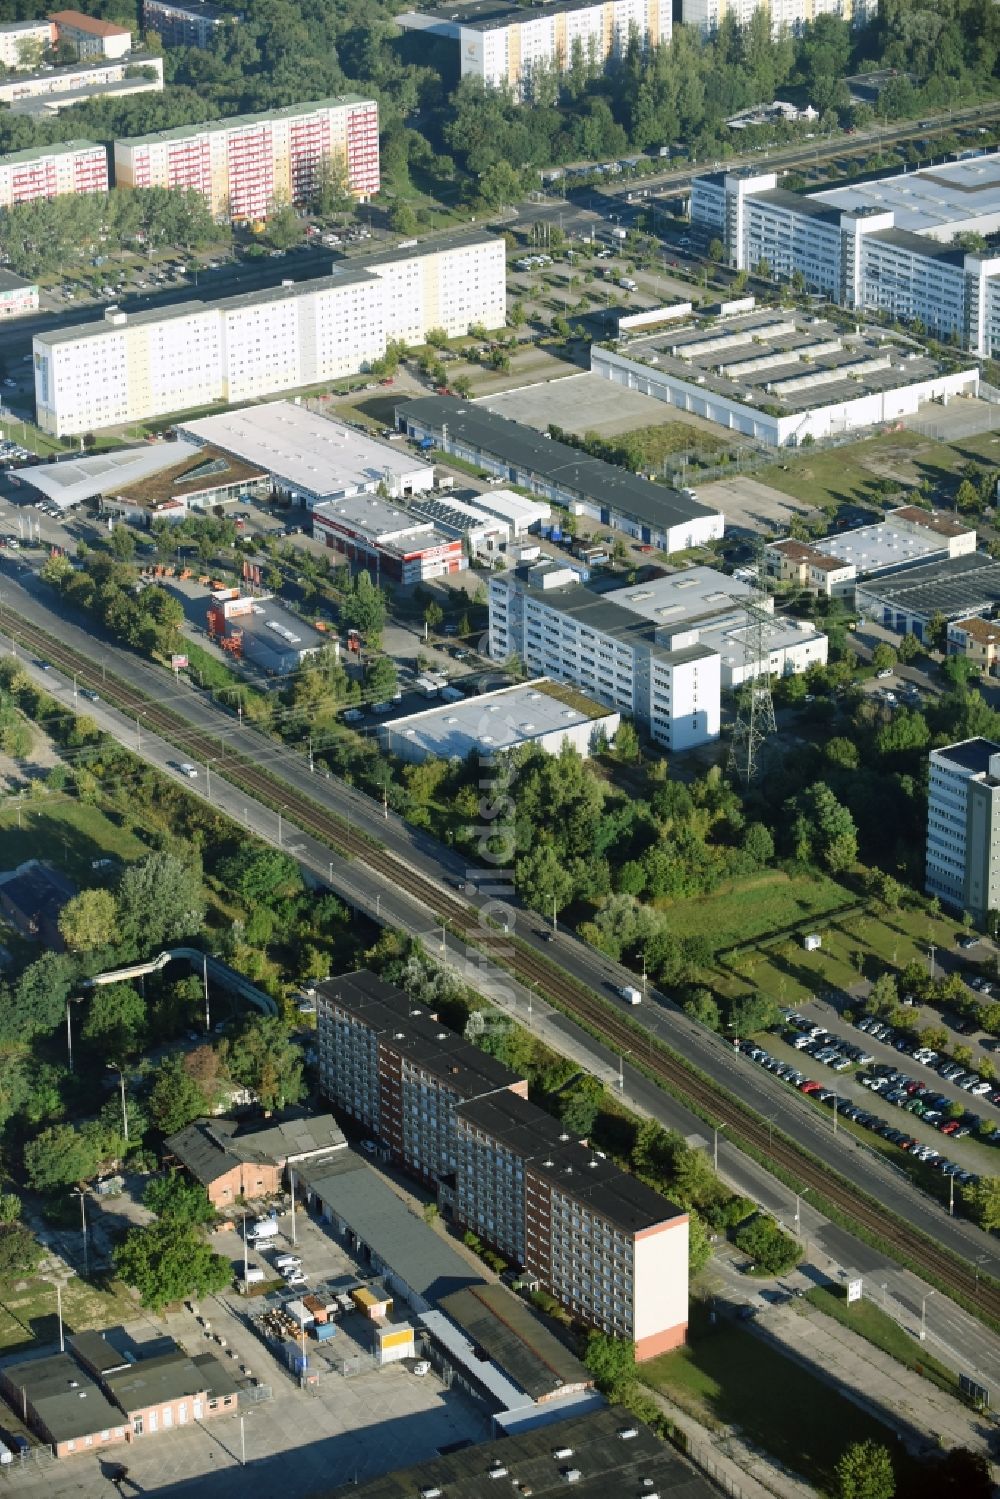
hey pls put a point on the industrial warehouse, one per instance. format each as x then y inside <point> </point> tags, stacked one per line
<point>669,519</point>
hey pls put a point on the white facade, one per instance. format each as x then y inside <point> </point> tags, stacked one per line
<point>529,713</point>
<point>49,171</point>
<point>502,53</point>
<point>781,431</point>
<point>17,35</point>
<point>90,36</point>
<point>786,15</point>
<point>87,77</point>
<point>576,636</point>
<point>884,247</point>
<point>135,366</point>
<point>963,826</point>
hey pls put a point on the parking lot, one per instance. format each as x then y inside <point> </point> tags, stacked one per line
<point>579,404</point>
<point>352,1426</point>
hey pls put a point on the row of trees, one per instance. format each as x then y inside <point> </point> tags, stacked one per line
<point>56,234</point>
<point>148,618</point>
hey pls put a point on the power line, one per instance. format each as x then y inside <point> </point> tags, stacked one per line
<point>755,711</point>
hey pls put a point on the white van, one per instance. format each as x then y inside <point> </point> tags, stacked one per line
<point>6,1456</point>
<point>254,1276</point>
<point>630,995</point>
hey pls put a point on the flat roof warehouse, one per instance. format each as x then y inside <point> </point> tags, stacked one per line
<point>561,466</point>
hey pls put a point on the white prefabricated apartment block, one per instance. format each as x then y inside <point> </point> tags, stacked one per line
<point>561,629</point>
<point>880,246</point>
<point>786,15</point>
<point>502,44</point>
<point>963,827</point>
<point>133,366</point>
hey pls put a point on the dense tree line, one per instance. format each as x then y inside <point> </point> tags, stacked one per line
<point>55,234</point>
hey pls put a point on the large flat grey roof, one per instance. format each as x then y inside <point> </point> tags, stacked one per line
<point>556,462</point>
<point>404,1242</point>
<point>516,1338</point>
<point>969,754</point>
<point>497,720</point>
<point>68,1400</point>
<point>608,1467</point>
<point>932,200</point>
<point>953,587</point>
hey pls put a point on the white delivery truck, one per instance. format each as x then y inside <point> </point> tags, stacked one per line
<point>630,995</point>
<point>261,1231</point>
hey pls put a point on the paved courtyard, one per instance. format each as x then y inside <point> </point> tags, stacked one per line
<point>581,403</point>
<point>351,1426</point>
<point>749,505</point>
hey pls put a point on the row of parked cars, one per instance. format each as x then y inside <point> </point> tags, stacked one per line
<point>952,1072</point>
<point>895,1087</point>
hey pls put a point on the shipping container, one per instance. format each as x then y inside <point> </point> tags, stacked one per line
<point>324,1331</point>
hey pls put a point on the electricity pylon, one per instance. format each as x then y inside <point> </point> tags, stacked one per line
<point>755,710</point>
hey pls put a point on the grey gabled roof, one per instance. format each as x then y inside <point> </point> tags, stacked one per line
<point>400,1239</point>
<point>211,1147</point>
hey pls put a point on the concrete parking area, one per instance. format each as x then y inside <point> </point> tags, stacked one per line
<point>749,505</point>
<point>579,404</point>
<point>296,1442</point>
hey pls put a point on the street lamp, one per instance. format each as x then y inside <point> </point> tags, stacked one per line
<point>114,1067</point>
<point>70,1000</point>
<point>621,1069</point>
<point>798,1203</point>
<point>923,1315</point>
<point>715,1146</point>
<point>78,1192</point>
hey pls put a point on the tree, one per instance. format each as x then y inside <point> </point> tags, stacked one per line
<point>753,1013</point>
<point>865,1472</point>
<point>764,1242</point>
<point>265,1059</point>
<point>260,875</point>
<point>962,1474</point>
<point>89,921</point>
<point>331,187</point>
<point>115,1021</point>
<point>168,1260</point>
<point>612,1363</point>
<point>883,997</point>
<point>176,1098</point>
<point>178,1199</point>
<point>364,608</point>
<point>38,1000</point>
<point>758,844</point>
<point>716,250</point>
<point>500,184</point>
<point>580,1106</point>
<point>626,742</point>
<point>381,679</point>
<point>983,1197</point>
<point>20,1251</point>
<point>883,657</point>
<point>60,1156</point>
<point>701,1006</point>
<point>403,219</point>
<point>433,615</point>
<point>160,899</point>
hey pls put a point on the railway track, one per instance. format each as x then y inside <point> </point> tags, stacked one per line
<point>582,1004</point>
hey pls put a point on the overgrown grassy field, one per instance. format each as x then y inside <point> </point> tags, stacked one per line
<point>744,911</point>
<point>70,833</point>
<point>728,1376</point>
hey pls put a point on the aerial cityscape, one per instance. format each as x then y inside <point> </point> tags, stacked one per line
<point>500,749</point>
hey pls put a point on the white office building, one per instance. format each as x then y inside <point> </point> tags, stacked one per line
<point>502,44</point>
<point>963,827</point>
<point>885,246</point>
<point>133,366</point>
<point>563,630</point>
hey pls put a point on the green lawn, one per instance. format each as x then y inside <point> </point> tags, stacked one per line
<point>728,1375</point>
<point>28,1316</point>
<point>845,474</point>
<point>755,907</point>
<point>877,1327</point>
<point>72,834</point>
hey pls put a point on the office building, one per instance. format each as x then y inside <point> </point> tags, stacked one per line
<point>963,827</point>
<point>669,519</point>
<point>786,15</point>
<point>503,44</point>
<point>17,296</point>
<point>48,171</point>
<point>780,377</point>
<point>884,246</point>
<point>133,366</point>
<point>60,88</point>
<point>540,713</point>
<point>312,457</point>
<point>559,628</point>
<point>192,24</point>
<point>833,564</point>
<point>90,36</point>
<point>21,40</point>
<point>610,1249</point>
<point>388,539</point>
<point>243,165</point>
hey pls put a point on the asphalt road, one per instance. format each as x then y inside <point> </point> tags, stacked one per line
<point>766,1095</point>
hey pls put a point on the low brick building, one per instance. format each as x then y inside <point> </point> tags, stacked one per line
<point>248,1158</point>
<point>63,1404</point>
